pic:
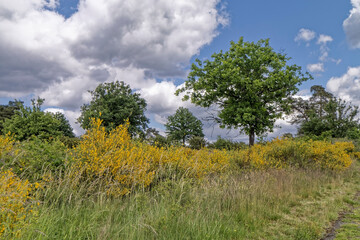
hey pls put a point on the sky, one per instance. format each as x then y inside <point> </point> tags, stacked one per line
<point>60,49</point>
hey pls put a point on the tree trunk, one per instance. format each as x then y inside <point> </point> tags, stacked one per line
<point>184,141</point>
<point>251,137</point>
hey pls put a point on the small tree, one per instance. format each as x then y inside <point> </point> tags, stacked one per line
<point>183,125</point>
<point>31,121</point>
<point>250,84</point>
<point>325,114</point>
<point>115,103</point>
<point>7,111</point>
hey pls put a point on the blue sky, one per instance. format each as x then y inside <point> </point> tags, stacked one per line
<point>59,49</point>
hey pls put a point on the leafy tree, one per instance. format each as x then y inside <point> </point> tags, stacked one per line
<point>183,125</point>
<point>64,126</point>
<point>31,121</point>
<point>250,84</point>
<point>154,138</point>
<point>324,114</point>
<point>7,111</point>
<point>115,103</point>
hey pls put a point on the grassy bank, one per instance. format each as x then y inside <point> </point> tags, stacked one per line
<point>111,187</point>
<point>272,204</point>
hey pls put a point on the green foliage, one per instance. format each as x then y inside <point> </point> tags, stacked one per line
<point>7,111</point>
<point>183,125</point>
<point>323,115</point>
<point>114,103</point>
<point>64,126</point>
<point>251,84</point>
<point>153,138</point>
<point>196,142</point>
<point>31,121</point>
<point>227,144</point>
<point>33,157</point>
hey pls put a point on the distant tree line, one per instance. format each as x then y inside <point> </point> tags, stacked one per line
<point>251,85</point>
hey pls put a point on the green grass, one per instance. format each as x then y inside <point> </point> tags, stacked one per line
<point>272,204</point>
<point>350,227</point>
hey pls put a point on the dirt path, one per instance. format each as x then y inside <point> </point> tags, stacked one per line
<point>347,226</point>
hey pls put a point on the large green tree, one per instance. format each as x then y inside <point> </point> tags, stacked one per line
<point>183,125</point>
<point>115,103</point>
<point>324,113</point>
<point>31,121</point>
<point>250,84</point>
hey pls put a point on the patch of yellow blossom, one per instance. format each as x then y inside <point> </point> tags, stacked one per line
<point>281,153</point>
<point>16,203</point>
<point>6,144</point>
<point>118,164</point>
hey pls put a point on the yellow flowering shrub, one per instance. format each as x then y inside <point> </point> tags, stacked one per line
<point>203,162</point>
<point>16,203</point>
<point>117,164</point>
<point>333,156</point>
<point>6,144</point>
<point>281,153</point>
<point>111,160</point>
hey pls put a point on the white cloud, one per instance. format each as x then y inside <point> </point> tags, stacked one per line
<point>41,50</point>
<point>346,86</point>
<point>324,39</point>
<point>305,35</point>
<point>351,25</point>
<point>59,59</point>
<point>315,68</point>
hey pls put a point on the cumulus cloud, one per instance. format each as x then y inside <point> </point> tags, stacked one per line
<point>44,51</point>
<point>351,25</point>
<point>346,86</point>
<point>315,68</point>
<point>305,35</point>
<point>143,43</point>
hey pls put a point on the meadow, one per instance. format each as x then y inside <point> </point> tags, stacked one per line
<point>109,186</point>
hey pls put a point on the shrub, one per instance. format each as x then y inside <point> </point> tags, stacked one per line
<point>196,142</point>
<point>222,143</point>
<point>114,163</point>
<point>16,204</point>
<point>281,153</point>
<point>33,156</point>
<point>110,160</point>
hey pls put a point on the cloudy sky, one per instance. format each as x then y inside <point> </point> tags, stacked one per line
<point>59,49</point>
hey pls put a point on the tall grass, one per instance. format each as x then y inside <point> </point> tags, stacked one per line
<point>271,204</point>
<point>111,187</point>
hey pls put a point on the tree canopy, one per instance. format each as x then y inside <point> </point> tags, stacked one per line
<point>115,103</point>
<point>183,125</point>
<point>251,84</point>
<point>7,111</point>
<point>31,121</point>
<point>323,113</point>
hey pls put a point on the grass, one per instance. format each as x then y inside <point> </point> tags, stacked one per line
<point>350,224</point>
<point>269,204</point>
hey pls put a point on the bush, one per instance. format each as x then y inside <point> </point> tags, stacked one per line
<point>222,143</point>
<point>33,157</point>
<point>16,204</point>
<point>196,142</point>
<point>110,161</point>
<point>114,163</point>
<point>281,153</point>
